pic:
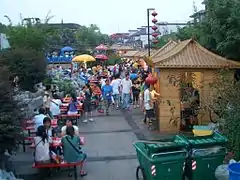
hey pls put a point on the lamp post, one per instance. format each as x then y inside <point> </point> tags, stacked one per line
<point>148,30</point>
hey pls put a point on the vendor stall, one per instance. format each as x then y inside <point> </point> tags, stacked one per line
<point>186,68</point>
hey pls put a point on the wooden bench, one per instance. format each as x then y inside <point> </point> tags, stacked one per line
<point>61,165</point>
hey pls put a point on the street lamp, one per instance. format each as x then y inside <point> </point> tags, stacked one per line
<point>148,30</point>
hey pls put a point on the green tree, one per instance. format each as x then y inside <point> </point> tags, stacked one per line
<point>162,40</point>
<point>222,23</point>
<point>90,37</point>
<point>9,113</point>
<point>225,103</point>
<point>28,64</point>
<point>219,29</point>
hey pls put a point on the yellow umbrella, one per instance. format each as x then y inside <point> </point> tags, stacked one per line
<point>83,58</point>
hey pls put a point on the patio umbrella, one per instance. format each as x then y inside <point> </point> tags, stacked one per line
<point>101,56</point>
<point>101,47</point>
<point>84,58</point>
<point>67,49</point>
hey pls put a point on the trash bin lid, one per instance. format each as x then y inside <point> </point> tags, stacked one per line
<point>163,146</point>
<point>214,139</point>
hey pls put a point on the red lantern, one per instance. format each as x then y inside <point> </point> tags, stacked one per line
<point>154,28</point>
<point>150,79</point>
<point>155,34</point>
<point>154,13</point>
<point>154,41</point>
<point>154,20</point>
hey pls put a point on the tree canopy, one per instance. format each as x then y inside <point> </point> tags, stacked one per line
<point>219,28</point>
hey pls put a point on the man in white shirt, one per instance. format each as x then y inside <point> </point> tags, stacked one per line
<point>69,123</point>
<point>38,119</point>
<point>116,82</point>
<point>126,91</point>
<point>148,105</point>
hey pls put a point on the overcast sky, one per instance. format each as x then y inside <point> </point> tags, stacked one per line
<point>110,15</point>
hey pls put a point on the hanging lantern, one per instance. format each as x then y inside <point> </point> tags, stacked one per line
<point>154,28</point>
<point>155,34</point>
<point>150,79</point>
<point>154,14</point>
<point>154,20</point>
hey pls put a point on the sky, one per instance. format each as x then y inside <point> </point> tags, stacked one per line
<point>111,16</point>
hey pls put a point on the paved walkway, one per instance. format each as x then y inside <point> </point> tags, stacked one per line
<point>108,143</point>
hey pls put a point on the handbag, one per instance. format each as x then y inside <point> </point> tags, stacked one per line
<point>76,149</point>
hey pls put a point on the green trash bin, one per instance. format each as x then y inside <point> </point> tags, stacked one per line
<point>206,153</point>
<point>160,160</point>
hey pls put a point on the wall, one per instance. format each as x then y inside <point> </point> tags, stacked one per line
<point>65,66</point>
<point>208,77</point>
<point>168,92</point>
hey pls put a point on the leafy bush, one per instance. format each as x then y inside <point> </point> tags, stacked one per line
<point>27,64</point>
<point>9,113</point>
<point>226,105</point>
<point>66,86</point>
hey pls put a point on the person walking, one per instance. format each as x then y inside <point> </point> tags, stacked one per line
<point>116,82</point>
<point>126,91</point>
<point>148,105</point>
<point>87,104</point>
<point>107,95</point>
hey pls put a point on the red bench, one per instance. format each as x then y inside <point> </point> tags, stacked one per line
<point>61,165</point>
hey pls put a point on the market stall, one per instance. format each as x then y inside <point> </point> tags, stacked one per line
<point>186,69</point>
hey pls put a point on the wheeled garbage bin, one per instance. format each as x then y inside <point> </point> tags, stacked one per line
<point>160,160</point>
<point>206,153</point>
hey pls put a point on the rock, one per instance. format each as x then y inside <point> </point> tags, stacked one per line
<point>4,175</point>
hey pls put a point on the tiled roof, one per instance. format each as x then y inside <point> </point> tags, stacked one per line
<point>130,54</point>
<point>144,52</point>
<point>120,47</point>
<point>171,44</point>
<point>190,54</point>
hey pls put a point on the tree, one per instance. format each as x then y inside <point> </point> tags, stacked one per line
<point>223,20</point>
<point>27,64</point>
<point>9,113</point>
<point>219,29</point>
<point>225,103</point>
<point>162,40</point>
<point>90,37</point>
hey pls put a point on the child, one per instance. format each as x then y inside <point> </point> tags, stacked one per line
<point>72,107</point>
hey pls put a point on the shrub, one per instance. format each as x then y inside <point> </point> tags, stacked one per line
<point>9,113</point>
<point>27,64</point>
<point>226,105</point>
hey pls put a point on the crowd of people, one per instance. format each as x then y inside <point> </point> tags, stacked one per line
<point>121,86</point>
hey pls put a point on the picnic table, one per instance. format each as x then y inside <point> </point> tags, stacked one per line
<point>57,142</point>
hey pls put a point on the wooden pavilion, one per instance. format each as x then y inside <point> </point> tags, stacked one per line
<point>185,61</point>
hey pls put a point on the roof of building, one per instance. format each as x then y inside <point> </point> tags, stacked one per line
<point>144,52</point>
<point>130,54</point>
<point>171,44</point>
<point>120,47</point>
<point>190,54</point>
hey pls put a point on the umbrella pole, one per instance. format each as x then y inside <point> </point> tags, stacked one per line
<point>85,65</point>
